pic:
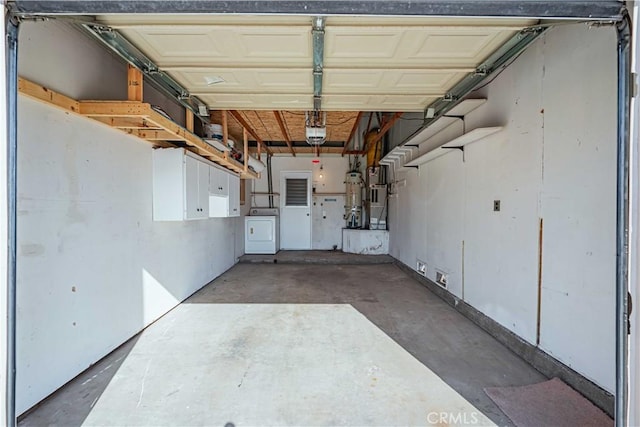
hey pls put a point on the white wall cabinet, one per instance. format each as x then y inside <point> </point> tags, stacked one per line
<point>180,185</point>
<point>219,182</point>
<point>186,186</point>
<point>224,194</point>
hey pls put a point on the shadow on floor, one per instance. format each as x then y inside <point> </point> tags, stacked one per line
<point>71,404</point>
<point>458,351</point>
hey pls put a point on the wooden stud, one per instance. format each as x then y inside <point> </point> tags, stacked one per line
<point>539,312</point>
<point>135,81</point>
<point>236,115</point>
<point>154,135</point>
<point>135,118</point>
<point>188,120</point>
<point>245,155</point>
<point>243,191</point>
<point>41,93</point>
<point>126,123</point>
<point>114,108</point>
<point>225,128</point>
<point>283,129</point>
<point>259,151</point>
<point>225,131</point>
<point>352,133</point>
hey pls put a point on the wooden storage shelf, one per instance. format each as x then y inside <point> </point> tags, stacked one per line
<point>411,147</point>
<point>459,142</point>
<point>138,119</point>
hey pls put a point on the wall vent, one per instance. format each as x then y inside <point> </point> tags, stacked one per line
<point>421,268</point>
<point>441,278</point>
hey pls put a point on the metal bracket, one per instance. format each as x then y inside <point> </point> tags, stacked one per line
<point>460,147</point>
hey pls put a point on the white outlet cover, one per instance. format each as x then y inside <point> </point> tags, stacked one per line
<point>441,278</point>
<point>421,267</point>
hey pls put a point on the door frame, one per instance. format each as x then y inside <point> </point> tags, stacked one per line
<point>308,174</point>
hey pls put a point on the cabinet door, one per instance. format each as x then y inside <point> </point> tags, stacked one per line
<point>214,178</point>
<point>191,193</point>
<point>223,180</point>
<point>218,182</point>
<point>203,189</point>
<point>234,195</point>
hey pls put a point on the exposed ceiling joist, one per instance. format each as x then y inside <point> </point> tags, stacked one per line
<point>285,132</point>
<point>548,9</point>
<point>352,133</point>
<point>236,115</point>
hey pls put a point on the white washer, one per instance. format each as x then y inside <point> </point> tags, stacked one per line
<point>262,231</point>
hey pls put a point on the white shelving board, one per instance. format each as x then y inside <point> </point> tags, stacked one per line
<point>400,152</point>
<point>427,157</point>
<point>460,110</point>
<point>469,137</point>
<point>410,148</point>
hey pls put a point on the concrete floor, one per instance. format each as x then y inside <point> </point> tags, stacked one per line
<point>297,344</point>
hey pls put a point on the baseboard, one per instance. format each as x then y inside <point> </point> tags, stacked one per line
<point>543,362</point>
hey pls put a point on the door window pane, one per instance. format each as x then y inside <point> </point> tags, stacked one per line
<point>296,192</point>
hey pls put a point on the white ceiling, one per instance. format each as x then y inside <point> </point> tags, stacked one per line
<point>370,64</point>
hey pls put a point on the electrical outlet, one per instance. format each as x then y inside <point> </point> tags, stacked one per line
<point>421,268</point>
<point>441,278</point>
<point>496,205</point>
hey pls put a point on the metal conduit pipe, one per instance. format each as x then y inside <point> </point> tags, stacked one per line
<point>269,181</point>
<point>11,40</point>
<point>622,220</point>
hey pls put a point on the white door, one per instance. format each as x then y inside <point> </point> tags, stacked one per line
<point>295,210</point>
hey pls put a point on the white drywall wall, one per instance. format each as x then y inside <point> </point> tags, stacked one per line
<point>568,74</point>
<point>445,204</point>
<point>93,268</point>
<point>579,202</point>
<point>328,198</point>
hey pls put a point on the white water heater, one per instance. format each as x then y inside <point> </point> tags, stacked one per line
<point>353,201</point>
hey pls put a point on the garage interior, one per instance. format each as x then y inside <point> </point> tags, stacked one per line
<point>440,195</point>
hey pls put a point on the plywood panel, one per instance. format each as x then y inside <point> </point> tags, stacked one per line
<point>339,125</point>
